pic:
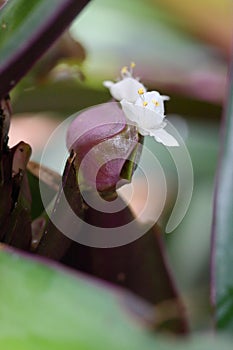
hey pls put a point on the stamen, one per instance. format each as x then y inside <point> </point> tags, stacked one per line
<point>141,91</point>
<point>132,65</point>
<point>145,103</point>
<point>124,70</point>
<point>156,103</point>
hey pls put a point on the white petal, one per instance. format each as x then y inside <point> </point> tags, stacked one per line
<point>143,132</point>
<point>150,97</point>
<point>132,112</point>
<point>150,119</point>
<point>143,117</point>
<point>126,89</point>
<point>164,137</point>
<point>108,83</point>
<point>165,97</point>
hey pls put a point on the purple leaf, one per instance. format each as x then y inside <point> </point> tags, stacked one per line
<point>54,244</point>
<point>222,228</point>
<point>27,30</point>
<point>15,220</point>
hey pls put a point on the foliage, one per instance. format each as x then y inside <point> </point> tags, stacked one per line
<point>43,304</point>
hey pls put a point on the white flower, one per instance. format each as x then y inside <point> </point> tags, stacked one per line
<point>126,88</point>
<point>147,113</point>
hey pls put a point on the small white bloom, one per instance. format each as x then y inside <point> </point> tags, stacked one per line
<point>126,88</point>
<point>147,113</point>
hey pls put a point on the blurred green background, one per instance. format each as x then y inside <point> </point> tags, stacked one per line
<point>181,49</point>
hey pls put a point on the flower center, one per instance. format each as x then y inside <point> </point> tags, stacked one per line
<point>147,101</point>
<point>141,92</point>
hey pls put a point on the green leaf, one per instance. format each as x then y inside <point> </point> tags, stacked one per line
<point>43,308</point>
<point>73,96</point>
<point>27,29</point>
<point>222,257</point>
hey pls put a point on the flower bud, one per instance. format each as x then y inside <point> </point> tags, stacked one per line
<point>105,147</point>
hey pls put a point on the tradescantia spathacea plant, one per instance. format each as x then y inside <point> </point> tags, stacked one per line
<point>43,304</point>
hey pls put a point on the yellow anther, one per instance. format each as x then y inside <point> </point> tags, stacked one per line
<point>141,91</point>
<point>156,103</point>
<point>124,70</point>
<point>145,103</point>
<point>132,64</point>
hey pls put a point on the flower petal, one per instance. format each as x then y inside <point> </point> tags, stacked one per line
<point>154,100</point>
<point>164,137</point>
<point>144,132</point>
<point>126,89</point>
<point>130,111</point>
<point>145,118</point>
<point>108,83</point>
